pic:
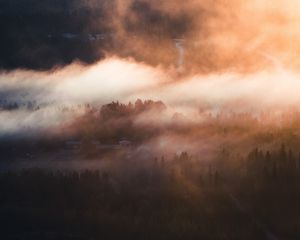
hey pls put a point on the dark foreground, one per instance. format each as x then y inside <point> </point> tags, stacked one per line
<point>178,199</point>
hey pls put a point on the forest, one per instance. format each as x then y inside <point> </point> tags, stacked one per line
<point>244,189</point>
<point>175,198</point>
<point>149,120</point>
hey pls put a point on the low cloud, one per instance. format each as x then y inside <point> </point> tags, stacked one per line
<point>125,80</point>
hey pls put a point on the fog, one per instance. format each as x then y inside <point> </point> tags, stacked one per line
<point>203,57</point>
<point>125,80</point>
<point>218,35</point>
<point>149,119</point>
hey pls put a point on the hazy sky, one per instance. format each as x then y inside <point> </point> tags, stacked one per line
<point>242,54</point>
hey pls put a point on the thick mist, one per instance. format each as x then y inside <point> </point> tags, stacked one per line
<point>126,80</point>
<point>200,59</point>
<point>148,119</point>
<point>217,36</point>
